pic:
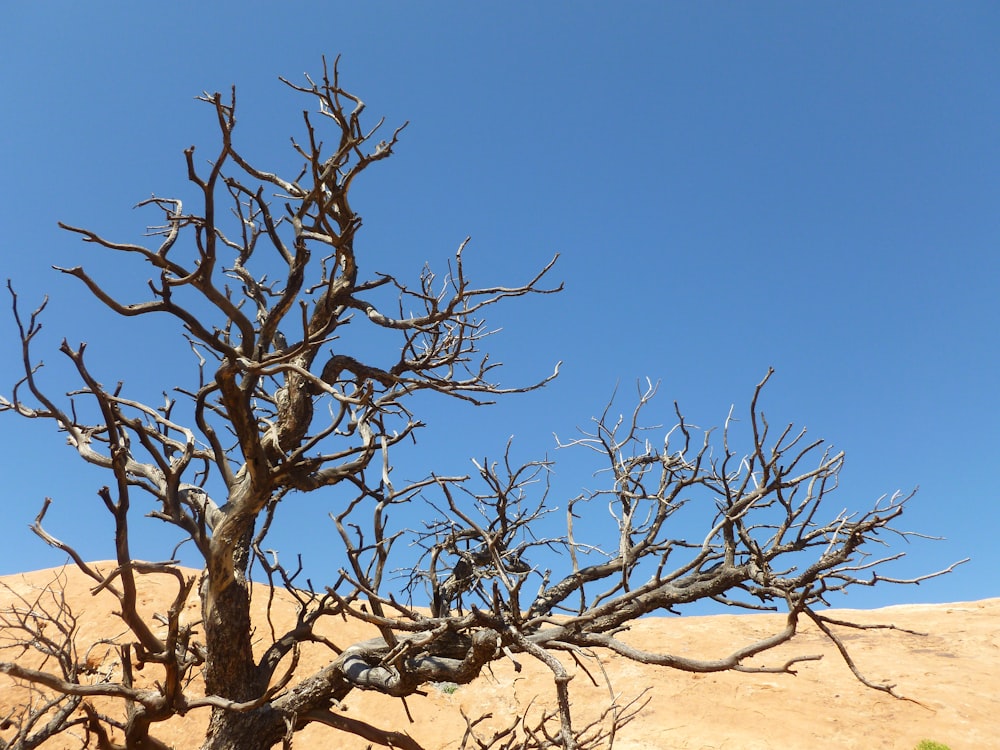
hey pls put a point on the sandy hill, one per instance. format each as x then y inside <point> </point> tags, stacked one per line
<point>953,672</point>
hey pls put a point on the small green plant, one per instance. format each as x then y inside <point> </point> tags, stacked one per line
<point>931,745</point>
<point>449,688</point>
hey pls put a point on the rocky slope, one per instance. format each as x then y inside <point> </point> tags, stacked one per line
<point>952,675</point>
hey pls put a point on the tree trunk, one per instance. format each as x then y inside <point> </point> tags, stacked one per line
<point>231,671</point>
<point>259,729</point>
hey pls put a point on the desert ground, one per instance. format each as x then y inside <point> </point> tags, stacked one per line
<point>950,673</point>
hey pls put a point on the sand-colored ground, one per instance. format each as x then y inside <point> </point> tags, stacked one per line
<point>953,673</point>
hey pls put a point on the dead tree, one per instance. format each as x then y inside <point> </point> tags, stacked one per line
<point>262,276</point>
<point>40,621</point>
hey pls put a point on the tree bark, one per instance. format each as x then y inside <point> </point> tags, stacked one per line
<point>259,729</point>
<point>230,669</point>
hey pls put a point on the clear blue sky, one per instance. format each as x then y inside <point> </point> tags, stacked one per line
<point>731,186</point>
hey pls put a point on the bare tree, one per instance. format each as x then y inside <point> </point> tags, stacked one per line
<point>262,276</point>
<point>41,621</point>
